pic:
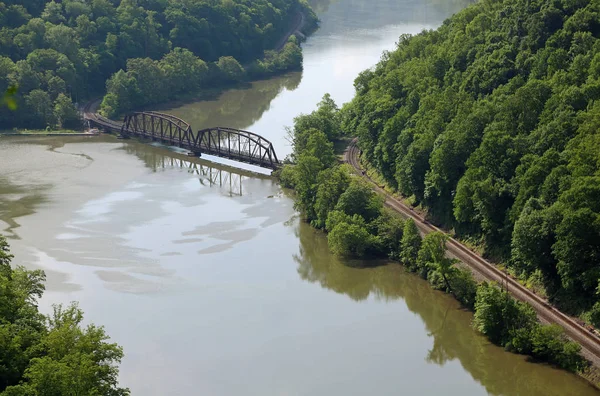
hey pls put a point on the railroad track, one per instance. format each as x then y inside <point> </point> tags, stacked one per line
<point>89,110</point>
<point>574,329</point>
<point>89,113</point>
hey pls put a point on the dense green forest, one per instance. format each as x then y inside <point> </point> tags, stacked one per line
<point>342,204</point>
<point>49,355</point>
<point>491,124</point>
<point>60,52</point>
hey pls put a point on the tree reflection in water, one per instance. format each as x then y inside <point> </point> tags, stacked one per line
<point>18,201</point>
<point>500,372</point>
<point>237,107</point>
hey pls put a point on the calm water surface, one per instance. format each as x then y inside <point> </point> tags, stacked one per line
<point>206,276</point>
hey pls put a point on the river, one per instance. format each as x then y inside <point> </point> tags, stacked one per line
<point>207,277</point>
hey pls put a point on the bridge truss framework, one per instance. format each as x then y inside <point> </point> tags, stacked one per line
<point>223,142</point>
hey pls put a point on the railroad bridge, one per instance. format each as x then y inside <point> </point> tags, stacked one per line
<point>222,142</point>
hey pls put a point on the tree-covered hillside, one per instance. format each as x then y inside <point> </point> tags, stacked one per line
<point>58,52</point>
<point>492,123</point>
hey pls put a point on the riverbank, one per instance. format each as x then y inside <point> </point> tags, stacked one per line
<point>485,270</point>
<point>352,213</point>
<point>135,89</point>
<point>43,132</point>
<point>176,238</point>
<point>212,262</point>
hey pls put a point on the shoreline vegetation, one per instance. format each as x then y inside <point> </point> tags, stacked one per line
<point>124,93</point>
<point>495,136</point>
<point>49,354</point>
<point>489,126</point>
<point>56,54</point>
<point>333,199</point>
<point>179,73</point>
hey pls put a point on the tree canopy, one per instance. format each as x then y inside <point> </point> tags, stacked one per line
<point>491,123</point>
<point>49,355</point>
<point>145,48</point>
<point>331,197</point>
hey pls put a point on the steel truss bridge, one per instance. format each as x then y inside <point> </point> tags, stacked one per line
<point>234,144</point>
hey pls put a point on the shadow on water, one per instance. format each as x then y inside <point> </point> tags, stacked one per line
<point>500,372</point>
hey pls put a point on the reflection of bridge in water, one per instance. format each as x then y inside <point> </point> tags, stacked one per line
<point>234,144</point>
<point>209,176</point>
<point>229,179</point>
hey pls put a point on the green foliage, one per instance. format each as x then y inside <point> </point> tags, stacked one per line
<point>85,43</point>
<point>326,119</point>
<point>549,344</point>
<point>513,324</point>
<point>595,314</point>
<point>52,355</point>
<point>410,245</point>
<point>65,113</point>
<point>349,240</point>
<point>40,107</point>
<point>287,176</point>
<point>358,227</point>
<point>491,123</point>
<point>389,228</point>
<point>230,69</point>
<point>332,183</point>
<point>273,62</point>
<point>306,176</point>
<point>8,99</point>
<point>432,257</point>
<point>533,238</point>
<point>359,198</point>
<point>336,217</point>
<point>497,315</point>
<point>320,147</point>
<point>318,182</point>
<point>148,81</point>
<point>464,287</point>
<point>327,194</point>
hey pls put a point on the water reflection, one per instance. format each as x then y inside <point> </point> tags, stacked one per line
<point>500,372</point>
<point>158,158</point>
<point>17,201</point>
<point>155,221</point>
<point>235,108</point>
<point>92,206</point>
